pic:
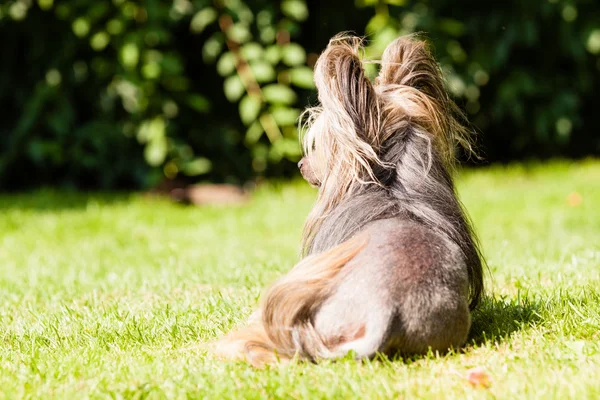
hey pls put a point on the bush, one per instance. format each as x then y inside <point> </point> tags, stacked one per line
<point>119,94</point>
<point>526,72</point>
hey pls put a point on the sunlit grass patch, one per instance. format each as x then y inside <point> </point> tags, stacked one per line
<point>109,295</point>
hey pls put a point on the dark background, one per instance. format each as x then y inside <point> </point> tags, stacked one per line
<point>122,94</point>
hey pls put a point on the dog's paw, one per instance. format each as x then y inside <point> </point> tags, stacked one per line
<point>228,350</point>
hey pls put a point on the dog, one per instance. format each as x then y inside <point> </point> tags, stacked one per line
<point>391,263</point>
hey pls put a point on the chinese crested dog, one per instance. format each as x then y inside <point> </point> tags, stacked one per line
<point>391,264</point>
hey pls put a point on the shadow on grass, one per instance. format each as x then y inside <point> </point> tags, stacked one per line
<point>493,322</point>
<point>496,319</point>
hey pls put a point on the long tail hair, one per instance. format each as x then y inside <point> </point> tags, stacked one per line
<point>283,327</point>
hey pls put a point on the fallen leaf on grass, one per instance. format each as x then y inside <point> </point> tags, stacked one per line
<point>574,199</point>
<point>478,377</point>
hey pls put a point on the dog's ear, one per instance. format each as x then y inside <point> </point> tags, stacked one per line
<point>412,86</point>
<point>408,61</point>
<point>345,92</point>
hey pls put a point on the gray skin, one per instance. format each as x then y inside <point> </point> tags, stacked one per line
<point>413,290</point>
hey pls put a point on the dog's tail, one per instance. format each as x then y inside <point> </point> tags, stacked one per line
<point>412,81</point>
<point>285,328</point>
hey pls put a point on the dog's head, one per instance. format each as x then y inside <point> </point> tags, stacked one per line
<point>355,134</point>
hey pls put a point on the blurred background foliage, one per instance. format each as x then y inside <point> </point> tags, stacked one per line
<point>123,94</point>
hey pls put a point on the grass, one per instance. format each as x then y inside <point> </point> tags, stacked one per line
<point>110,296</point>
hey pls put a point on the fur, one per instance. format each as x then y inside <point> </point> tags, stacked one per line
<point>391,263</point>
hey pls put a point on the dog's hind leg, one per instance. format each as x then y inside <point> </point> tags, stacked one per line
<point>357,317</point>
<point>405,292</point>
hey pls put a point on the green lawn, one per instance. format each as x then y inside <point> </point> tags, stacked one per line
<point>111,296</point>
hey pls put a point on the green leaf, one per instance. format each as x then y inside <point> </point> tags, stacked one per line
<point>130,55</point>
<point>452,26</point>
<point>199,103</point>
<point>245,15</point>
<point>293,54</point>
<point>233,88</point>
<point>295,9</point>
<point>153,56</point>
<point>287,147</point>
<point>252,51</point>
<point>268,34</point>
<point>212,47</point>
<point>153,133</point>
<point>264,19</point>
<point>254,132</point>
<point>226,64</point>
<point>456,51</point>
<point>198,166</point>
<point>202,19</point>
<point>249,109</point>
<point>97,10</point>
<point>53,77</point>
<point>45,4</point>
<point>285,116</point>
<point>63,11</point>
<point>155,152</point>
<point>396,2</point>
<point>263,71</point>
<point>150,130</point>
<point>380,41</point>
<point>366,3</point>
<point>273,54</point>
<point>279,94</point>
<point>172,64</point>
<point>81,27</point>
<point>593,42</point>
<point>378,22</point>
<point>239,33</point>
<point>302,77</point>
<point>151,70</point>
<point>114,27</point>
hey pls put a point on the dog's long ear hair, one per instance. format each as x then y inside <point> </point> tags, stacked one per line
<point>403,128</point>
<point>344,132</point>
<point>345,129</point>
<point>412,84</point>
